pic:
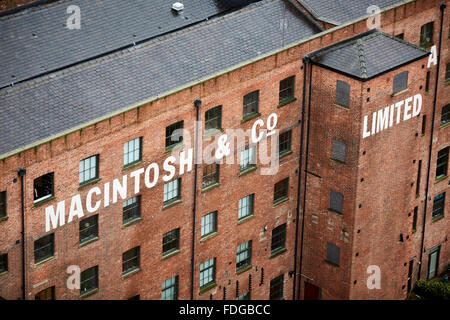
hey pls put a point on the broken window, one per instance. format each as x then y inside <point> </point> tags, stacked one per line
<point>43,187</point>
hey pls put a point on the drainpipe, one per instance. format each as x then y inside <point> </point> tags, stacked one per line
<point>300,162</point>
<point>197,104</point>
<point>430,147</point>
<point>21,172</point>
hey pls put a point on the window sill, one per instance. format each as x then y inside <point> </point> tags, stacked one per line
<point>207,288</point>
<point>342,107</point>
<point>286,102</point>
<point>212,132</point>
<point>89,293</point>
<point>43,201</point>
<point>210,187</point>
<point>426,45</point>
<point>332,210</point>
<point>4,273</point>
<point>171,254</point>
<point>338,161</point>
<point>433,220</point>
<point>441,179</point>
<point>447,83</point>
<point>4,219</point>
<point>445,125</point>
<point>280,201</point>
<point>131,222</point>
<point>171,204</point>
<point>331,263</point>
<point>85,243</point>
<point>173,147</point>
<point>37,264</point>
<point>246,171</point>
<point>132,165</point>
<point>244,269</point>
<point>130,273</point>
<point>399,93</point>
<point>208,236</point>
<point>284,154</point>
<point>250,117</point>
<point>245,219</point>
<point>88,183</point>
<point>277,253</point>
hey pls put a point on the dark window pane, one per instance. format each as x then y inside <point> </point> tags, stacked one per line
<point>46,294</point>
<point>438,206</point>
<point>2,204</point>
<point>342,93</point>
<point>447,73</point>
<point>442,163</point>
<point>426,34</point>
<point>213,118</point>
<point>251,103</point>
<point>89,228</point>
<point>244,255</point>
<point>281,190</point>
<point>445,116</point>
<point>400,82</point>
<point>3,263</point>
<point>174,134</point>
<point>336,201</point>
<point>339,151</point>
<point>43,248</point>
<point>131,209</point>
<point>130,260</point>
<point>276,288</point>
<point>210,174</point>
<point>89,280</point>
<point>400,36</point>
<point>286,89</point>
<point>278,238</point>
<point>43,187</point>
<point>285,142</point>
<point>333,253</point>
<point>171,241</point>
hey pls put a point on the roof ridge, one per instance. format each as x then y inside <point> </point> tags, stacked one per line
<point>361,58</point>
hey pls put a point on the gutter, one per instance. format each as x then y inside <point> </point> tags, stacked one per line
<point>21,172</point>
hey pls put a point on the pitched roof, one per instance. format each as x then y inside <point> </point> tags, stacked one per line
<point>337,12</point>
<point>50,106</point>
<point>36,40</point>
<point>367,55</point>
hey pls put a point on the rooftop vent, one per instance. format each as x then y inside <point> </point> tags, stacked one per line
<point>177,6</point>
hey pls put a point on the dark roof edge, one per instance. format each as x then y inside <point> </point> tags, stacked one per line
<point>304,15</point>
<point>316,15</point>
<point>25,6</point>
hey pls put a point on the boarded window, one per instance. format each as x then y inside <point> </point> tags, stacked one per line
<point>338,152</point>
<point>400,82</point>
<point>333,253</point>
<point>336,200</point>
<point>342,93</point>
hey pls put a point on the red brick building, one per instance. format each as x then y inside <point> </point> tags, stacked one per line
<point>89,131</point>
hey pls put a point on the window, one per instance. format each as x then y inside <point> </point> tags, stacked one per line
<point>137,297</point>
<point>438,206</point>
<point>131,209</point>
<point>174,134</point>
<point>281,190</point>
<point>209,223</point>
<point>333,253</point>
<point>88,169</point>
<point>43,187</point>
<point>414,225</point>
<point>246,206</point>
<point>46,294</point>
<point>445,116</point>
<point>172,191</point>
<point>43,248</point>
<point>248,158</point>
<point>89,228</point>
<point>278,238</point>
<point>276,288</point>
<point>89,280</point>
<point>400,36</point>
<point>245,296</point>
<point>169,290</point>
<point>286,89</point>
<point>3,263</point>
<point>171,241</point>
<point>336,200</point>
<point>284,142</point>
<point>213,118</point>
<point>400,82</point>
<point>342,93</point>
<point>447,72</point>
<point>130,260</point>
<point>132,151</point>
<point>424,123</point>
<point>427,82</point>
<point>338,151</point>
<point>419,169</point>
<point>426,35</point>
<point>2,204</point>
<point>433,261</point>
<point>244,255</point>
<point>208,273</point>
<point>210,175</point>
<point>251,103</point>
<point>442,163</point>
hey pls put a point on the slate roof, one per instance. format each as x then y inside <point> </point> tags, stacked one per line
<point>367,55</point>
<point>34,111</point>
<point>36,40</point>
<point>338,12</point>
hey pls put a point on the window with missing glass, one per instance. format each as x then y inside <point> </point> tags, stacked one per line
<point>89,280</point>
<point>213,119</point>
<point>278,238</point>
<point>89,228</point>
<point>251,101</point>
<point>131,209</point>
<point>438,206</point>
<point>46,294</point>
<point>44,248</point>
<point>342,94</point>
<point>286,89</point>
<point>426,35</point>
<point>246,206</point>
<point>88,169</point>
<point>43,187</point>
<point>210,175</point>
<point>208,273</point>
<point>171,241</point>
<point>276,288</point>
<point>2,204</point>
<point>248,158</point>
<point>132,151</point>
<point>3,262</point>
<point>169,289</point>
<point>442,163</point>
<point>333,253</point>
<point>281,190</point>
<point>336,201</point>
<point>243,255</point>
<point>130,260</point>
<point>209,224</point>
<point>172,191</point>
<point>284,142</point>
<point>445,115</point>
<point>400,82</point>
<point>338,151</point>
<point>174,134</point>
